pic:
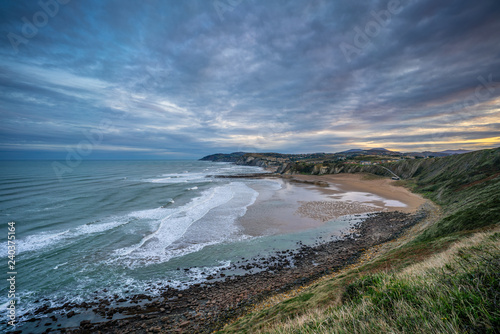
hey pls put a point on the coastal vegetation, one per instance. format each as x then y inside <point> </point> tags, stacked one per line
<point>441,276</point>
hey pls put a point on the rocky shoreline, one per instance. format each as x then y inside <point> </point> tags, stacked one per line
<point>203,308</point>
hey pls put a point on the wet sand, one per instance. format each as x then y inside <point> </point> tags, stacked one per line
<point>308,201</point>
<point>275,211</point>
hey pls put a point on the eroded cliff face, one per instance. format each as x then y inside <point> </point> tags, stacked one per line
<point>254,161</point>
<point>405,169</point>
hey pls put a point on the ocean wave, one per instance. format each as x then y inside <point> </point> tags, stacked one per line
<point>190,177</point>
<point>43,240</point>
<point>181,178</point>
<point>226,202</point>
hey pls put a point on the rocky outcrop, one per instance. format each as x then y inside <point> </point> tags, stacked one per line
<point>283,168</point>
<point>253,161</point>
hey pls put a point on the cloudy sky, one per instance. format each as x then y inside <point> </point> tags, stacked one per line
<point>181,79</point>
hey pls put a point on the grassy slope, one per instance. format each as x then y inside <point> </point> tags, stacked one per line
<point>441,278</point>
<point>466,186</point>
<point>456,291</point>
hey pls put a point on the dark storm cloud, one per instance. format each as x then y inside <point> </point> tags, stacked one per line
<point>181,79</point>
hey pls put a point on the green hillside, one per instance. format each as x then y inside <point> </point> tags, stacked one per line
<point>442,276</point>
<point>467,186</point>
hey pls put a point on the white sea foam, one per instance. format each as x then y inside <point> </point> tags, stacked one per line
<point>272,184</point>
<point>199,274</point>
<point>214,212</point>
<point>178,178</point>
<point>42,240</point>
<point>190,177</point>
<point>173,223</point>
<point>60,265</point>
<point>97,228</point>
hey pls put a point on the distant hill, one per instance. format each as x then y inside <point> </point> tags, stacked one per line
<point>427,154</point>
<point>354,150</point>
<point>357,150</point>
<point>224,157</point>
<point>378,149</point>
<point>371,151</point>
<point>241,157</point>
<point>455,151</point>
<point>384,151</point>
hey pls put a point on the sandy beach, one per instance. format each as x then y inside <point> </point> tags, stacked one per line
<point>390,195</point>
<point>308,201</point>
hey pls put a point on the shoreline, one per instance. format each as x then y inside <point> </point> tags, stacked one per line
<point>205,307</point>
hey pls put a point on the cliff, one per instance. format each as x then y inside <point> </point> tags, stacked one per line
<point>404,168</point>
<point>265,160</point>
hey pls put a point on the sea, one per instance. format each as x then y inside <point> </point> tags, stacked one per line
<point>106,228</point>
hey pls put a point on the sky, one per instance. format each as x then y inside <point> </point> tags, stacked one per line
<point>154,79</point>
